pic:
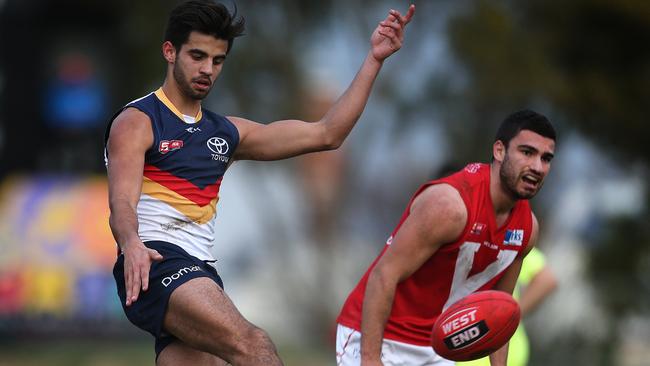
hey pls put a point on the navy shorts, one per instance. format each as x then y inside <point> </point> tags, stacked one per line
<point>176,268</point>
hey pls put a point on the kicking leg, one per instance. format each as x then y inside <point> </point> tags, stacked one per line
<point>203,317</point>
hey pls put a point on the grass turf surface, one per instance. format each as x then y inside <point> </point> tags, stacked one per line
<point>127,352</point>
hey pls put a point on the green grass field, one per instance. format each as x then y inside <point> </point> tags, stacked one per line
<point>130,352</point>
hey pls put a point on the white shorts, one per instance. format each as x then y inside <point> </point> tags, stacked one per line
<point>393,353</point>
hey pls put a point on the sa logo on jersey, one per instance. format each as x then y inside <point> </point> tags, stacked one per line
<point>169,145</point>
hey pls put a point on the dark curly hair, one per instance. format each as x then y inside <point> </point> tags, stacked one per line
<point>203,16</point>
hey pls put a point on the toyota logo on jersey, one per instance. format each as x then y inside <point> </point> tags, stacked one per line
<point>218,145</point>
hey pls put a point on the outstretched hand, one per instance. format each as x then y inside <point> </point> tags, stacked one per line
<point>389,34</point>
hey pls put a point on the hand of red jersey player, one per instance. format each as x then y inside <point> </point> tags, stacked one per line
<point>389,34</point>
<point>137,262</point>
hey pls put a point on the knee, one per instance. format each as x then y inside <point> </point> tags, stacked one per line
<point>257,345</point>
<point>248,345</point>
<point>257,340</point>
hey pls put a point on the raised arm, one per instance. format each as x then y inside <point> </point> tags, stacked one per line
<point>129,139</point>
<point>287,138</point>
<point>437,216</point>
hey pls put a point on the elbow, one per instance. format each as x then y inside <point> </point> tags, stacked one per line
<point>331,136</point>
<point>332,143</point>
<point>331,139</point>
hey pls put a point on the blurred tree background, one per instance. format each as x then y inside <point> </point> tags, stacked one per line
<point>464,66</point>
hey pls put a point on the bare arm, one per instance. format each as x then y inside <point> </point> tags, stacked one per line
<point>287,138</point>
<point>507,283</point>
<point>129,139</point>
<point>438,216</point>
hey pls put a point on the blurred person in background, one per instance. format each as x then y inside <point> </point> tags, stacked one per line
<point>166,157</point>
<point>535,283</point>
<point>467,232</point>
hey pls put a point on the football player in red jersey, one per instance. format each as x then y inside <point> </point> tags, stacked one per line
<point>459,234</point>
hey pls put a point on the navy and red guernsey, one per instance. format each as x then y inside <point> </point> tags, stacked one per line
<point>474,262</point>
<point>182,174</point>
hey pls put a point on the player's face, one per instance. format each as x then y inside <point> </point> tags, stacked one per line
<point>526,163</point>
<point>199,63</point>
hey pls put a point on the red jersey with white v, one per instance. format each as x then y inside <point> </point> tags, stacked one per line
<point>474,262</point>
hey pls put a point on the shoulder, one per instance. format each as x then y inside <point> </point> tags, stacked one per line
<point>221,120</point>
<point>149,104</point>
<point>443,204</point>
<point>243,125</point>
<point>245,128</point>
<point>132,119</point>
<point>131,124</point>
<point>441,196</point>
<point>535,228</point>
<point>468,179</point>
<point>131,113</point>
<point>239,120</point>
<point>532,242</point>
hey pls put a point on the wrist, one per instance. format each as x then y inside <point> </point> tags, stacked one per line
<point>373,61</point>
<point>130,243</point>
<point>370,356</point>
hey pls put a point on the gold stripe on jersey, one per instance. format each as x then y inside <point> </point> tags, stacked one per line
<point>198,214</point>
<point>163,98</point>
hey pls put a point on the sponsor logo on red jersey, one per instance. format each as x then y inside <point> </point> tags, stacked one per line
<point>514,237</point>
<point>473,168</point>
<point>477,228</point>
